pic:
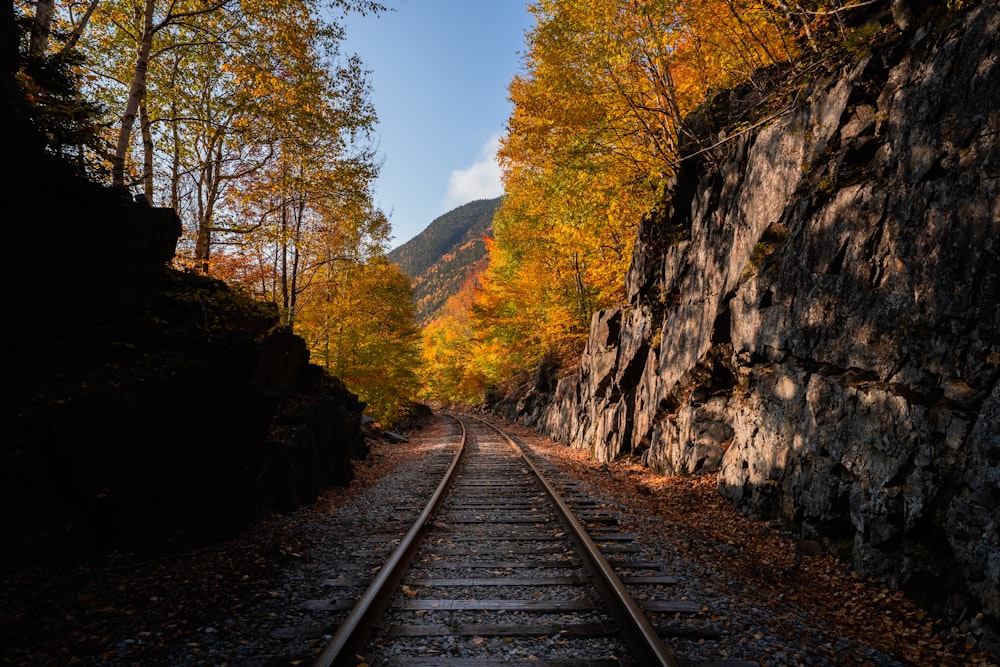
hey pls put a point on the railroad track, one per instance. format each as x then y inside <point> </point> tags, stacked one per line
<point>504,567</point>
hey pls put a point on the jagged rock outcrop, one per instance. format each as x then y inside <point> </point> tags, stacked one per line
<point>813,314</point>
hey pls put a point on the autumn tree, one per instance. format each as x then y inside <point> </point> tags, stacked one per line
<point>310,206</point>
<point>245,117</point>
<point>454,366</point>
<point>598,124</point>
<point>51,74</point>
<point>360,325</point>
<point>223,86</point>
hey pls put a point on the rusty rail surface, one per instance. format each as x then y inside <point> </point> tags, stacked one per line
<point>356,628</point>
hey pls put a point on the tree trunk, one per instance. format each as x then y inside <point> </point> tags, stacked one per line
<point>583,299</point>
<point>299,211</point>
<point>284,260</point>
<point>41,28</point>
<point>175,163</point>
<point>203,239</point>
<point>81,26</point>
<point>203,248</point>
<point>147,151</point>
<point>135,94</point>
<point>208,196</point>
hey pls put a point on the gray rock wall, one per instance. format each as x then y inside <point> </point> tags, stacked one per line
<point>813,315</point>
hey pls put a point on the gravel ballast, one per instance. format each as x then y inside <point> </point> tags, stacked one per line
<point>243,601</point>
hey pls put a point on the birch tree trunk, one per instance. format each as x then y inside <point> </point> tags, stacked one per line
<point>136,92</point>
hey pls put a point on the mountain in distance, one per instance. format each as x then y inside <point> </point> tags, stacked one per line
<point>439,259</point>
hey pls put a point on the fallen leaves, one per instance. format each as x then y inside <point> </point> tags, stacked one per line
<point>709,528</point>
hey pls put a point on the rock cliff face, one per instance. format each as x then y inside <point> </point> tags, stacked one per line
<point>140,404</point>
<point>813,315</point>
<point>146,407</point>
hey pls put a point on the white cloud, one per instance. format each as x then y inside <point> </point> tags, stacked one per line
<point>481,180</point>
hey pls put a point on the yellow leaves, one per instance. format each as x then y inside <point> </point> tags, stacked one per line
<point>360,325</point>
<point>595,123</point>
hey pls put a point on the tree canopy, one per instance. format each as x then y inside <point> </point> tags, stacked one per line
<point>597,126</point>
<point>247,118</point>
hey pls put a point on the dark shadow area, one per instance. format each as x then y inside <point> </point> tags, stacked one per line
<point>140,407</point>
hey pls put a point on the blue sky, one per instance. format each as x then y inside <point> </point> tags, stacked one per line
<point>439,72</point>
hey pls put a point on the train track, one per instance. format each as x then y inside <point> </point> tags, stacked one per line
<point>504,567</point>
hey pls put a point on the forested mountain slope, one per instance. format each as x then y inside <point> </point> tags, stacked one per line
<point>440,257</point>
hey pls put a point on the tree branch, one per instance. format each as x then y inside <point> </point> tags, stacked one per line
<point>834,12</point>
<point>170,18</point>
<point>78,30</point>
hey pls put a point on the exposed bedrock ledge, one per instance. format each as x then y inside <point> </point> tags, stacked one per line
<point>813,314</point>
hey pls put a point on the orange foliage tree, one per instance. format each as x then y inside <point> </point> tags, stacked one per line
<point>458,365</point>
<point>597,123</point>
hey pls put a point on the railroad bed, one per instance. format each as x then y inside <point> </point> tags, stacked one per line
<point>506,567</point>
<point>276,596</point>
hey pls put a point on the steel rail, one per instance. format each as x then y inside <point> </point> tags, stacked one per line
<point>354,632</point>
<point>636,628</point>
